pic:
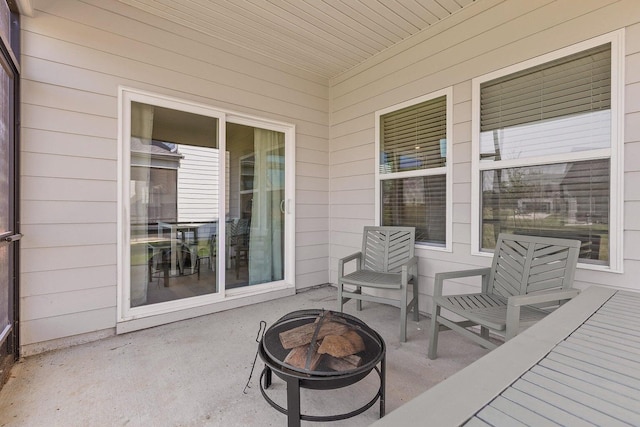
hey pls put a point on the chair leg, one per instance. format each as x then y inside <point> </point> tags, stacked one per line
<point>433,333</point>
<point>340,285</point>
<point>403,314</point>
<point>416,293</point>
<point>484,332</point>
<point>358,301</point>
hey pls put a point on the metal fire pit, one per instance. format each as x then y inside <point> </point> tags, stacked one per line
<point>322,377</point>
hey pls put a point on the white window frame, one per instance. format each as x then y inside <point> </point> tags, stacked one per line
<point>446,170</point>
<point>614,152</point>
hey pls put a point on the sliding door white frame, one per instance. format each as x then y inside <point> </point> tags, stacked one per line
<point>133,318</point>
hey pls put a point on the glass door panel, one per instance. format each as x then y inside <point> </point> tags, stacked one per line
<point>174,194</point>
<point>6,203</point>
<point>255,218</point>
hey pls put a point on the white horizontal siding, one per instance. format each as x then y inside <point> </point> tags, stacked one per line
<point>487,36</point>
<point>72,122</point>
<point>160,32</point>
<point>51,189</point>
<point>59,304</point>
<point>198,175</point>
<point>310,238</point>
<point>311,197</point>
<point>66,258</point>
<point>632,149</point>
<point>37,333</point>
<point>310,183</point>
<point>66,144</point>
<point>306,280</point>
<point>75,55</point>
<point>310,156</point>
<point>66,212</point>
<point>66,98</point>
<point>313,211</point>
<point>311,224</point>
<point>55,166</point>
<point>117,55</point>
<point>55,281</point>
<point>65,235</point>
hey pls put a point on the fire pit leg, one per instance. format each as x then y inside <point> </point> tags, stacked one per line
<point>293,402</point>
<point>383,375</point>
<point>267,377</point>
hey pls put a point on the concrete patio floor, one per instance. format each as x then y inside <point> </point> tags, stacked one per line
<point>193,373</point>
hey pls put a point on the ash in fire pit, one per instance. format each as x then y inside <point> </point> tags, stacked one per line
<point>321,350</point>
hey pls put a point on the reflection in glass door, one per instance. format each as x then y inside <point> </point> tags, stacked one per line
<point>174,204</point>
<point>256,215</point>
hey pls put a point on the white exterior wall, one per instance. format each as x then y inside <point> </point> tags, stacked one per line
<point>452,53</point>
<point>74,57</point>
<point>198,174</point>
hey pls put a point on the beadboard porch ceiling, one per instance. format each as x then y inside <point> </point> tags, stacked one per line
<point>325,37</point>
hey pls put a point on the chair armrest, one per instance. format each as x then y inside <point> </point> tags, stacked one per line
<point>410,265</point>
<point>343,261</point>
<point>441,277</point>
<point>413,260</point>
<point>520,300</point>
<point>410,262</point>
<point>515,302</point>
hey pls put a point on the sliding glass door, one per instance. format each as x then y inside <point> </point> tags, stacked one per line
<point>205,205</point>
<point>173,195</point>
<point>257,210</point>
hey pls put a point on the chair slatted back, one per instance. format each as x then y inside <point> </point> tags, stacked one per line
<point>524,264</point>
<point>386,248</point>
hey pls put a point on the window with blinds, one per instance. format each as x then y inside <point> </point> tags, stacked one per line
<point>560,107</point>
<point>544,152</point>
<point>412,175</point>
<point>414,137</point>
<point>418,202</point>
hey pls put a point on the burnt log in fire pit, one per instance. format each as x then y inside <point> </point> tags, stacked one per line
<point>320,350</point>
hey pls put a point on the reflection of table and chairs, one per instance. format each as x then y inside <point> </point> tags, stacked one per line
<point>207,253</point>
<point>239,242</point>
<point>159,260</point>
<point>181,248</point>
<point>184,240</point>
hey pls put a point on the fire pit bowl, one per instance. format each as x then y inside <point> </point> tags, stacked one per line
<point>319,371</point>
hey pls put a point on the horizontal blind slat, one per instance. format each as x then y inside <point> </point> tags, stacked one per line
<point>418,202</point>
<point>411,138</point>
<point>572,85</point>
